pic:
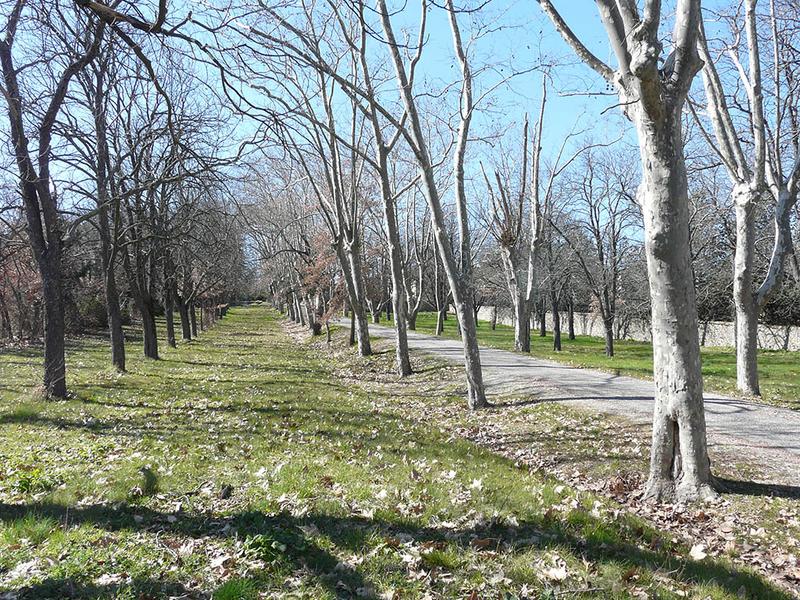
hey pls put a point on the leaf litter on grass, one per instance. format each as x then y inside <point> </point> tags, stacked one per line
<point>290,469</point>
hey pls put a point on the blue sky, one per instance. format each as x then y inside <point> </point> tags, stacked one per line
<point>524,37</point>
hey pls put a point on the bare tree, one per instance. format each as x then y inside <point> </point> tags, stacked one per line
<point>75,45</point>
<point>91,149</point>
<point>508,213</point>
<point>383,148</point>
<point>653,96</point>
<point>417,247</point>
<point>753,174</point>
<point>457,276</point>
<point>602,200</point>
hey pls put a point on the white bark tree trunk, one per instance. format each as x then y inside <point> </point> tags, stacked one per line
<point>743,297</point>
<point>522,314</point>
<point>399,305</point>
<point>476,396</point>
<point>679,465</point>
<point>653,96</point>
<point>351,269</point>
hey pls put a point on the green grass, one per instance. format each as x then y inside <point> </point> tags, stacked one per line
<point>236,589</point>
<point>779,371</point>
<point>248,464</point>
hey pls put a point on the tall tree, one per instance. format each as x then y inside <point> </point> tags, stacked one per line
<point>602,200</point>
<point>457,275</point>
<point>757,173</point>
<point>653,95</point>
<point>74,46</point>
<point>383,148</point>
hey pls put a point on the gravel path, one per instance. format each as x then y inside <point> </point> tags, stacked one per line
<point>759,434</point>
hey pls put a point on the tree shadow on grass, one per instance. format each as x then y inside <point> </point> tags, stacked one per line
<point>243,367</point>
<point>31,350</point>
<point>618,543</point>
<point>61,588</point>
<point>752,488</point>
<point>533,399</point>
<point>433,368</point>
<point>259,530</point>
<point>153,420</point>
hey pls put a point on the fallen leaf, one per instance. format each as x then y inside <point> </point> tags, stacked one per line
<point>698,552</point>
<point>555,573</point>
<point>483,543</point>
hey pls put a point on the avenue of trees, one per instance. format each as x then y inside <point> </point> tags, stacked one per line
<point>165,160</point>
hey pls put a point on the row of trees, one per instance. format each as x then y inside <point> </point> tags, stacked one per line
<point>121,188</point>
<point>584,219</point>
<point>364,180</point>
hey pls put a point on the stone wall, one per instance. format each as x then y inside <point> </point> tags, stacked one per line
<point>712,333</point>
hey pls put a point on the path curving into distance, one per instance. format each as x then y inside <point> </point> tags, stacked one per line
<point>755,432</point>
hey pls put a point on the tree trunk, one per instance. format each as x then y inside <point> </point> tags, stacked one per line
<point>352,340</point>
<point>679,465</point>
<point>113,310</point>
<point>412,308</point>
<point>313,323</point>
<point>556,321</point>
<point>571,319</point>
<point>311,318</point>
<point>318,312</point>
<point>743,298</point>
<point>186,326</point>
<point>522,325</point>
<point>542,320</point>
<point>351,269</point>
<point>40,206</point>
<point>440,321</point>
<point>169,313</point>
<point>608,327</point>
<point>494,318</point>
<point>399,299</point>
<point>108,247</point>
<point>476,394</point>
<point>301,311</point>
<point>519,301</point>
<point>55,377</point>
<point>5,320</point>
<point>149,331</point>
<point>193,317</point>
<point>298,311</point>
<point>114,313</point>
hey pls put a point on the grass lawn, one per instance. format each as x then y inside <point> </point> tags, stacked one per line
<point>779,371</point>
<point>248,464</point>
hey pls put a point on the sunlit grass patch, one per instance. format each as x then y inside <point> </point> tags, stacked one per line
<point>31,529</point>
<point>25,412</point>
